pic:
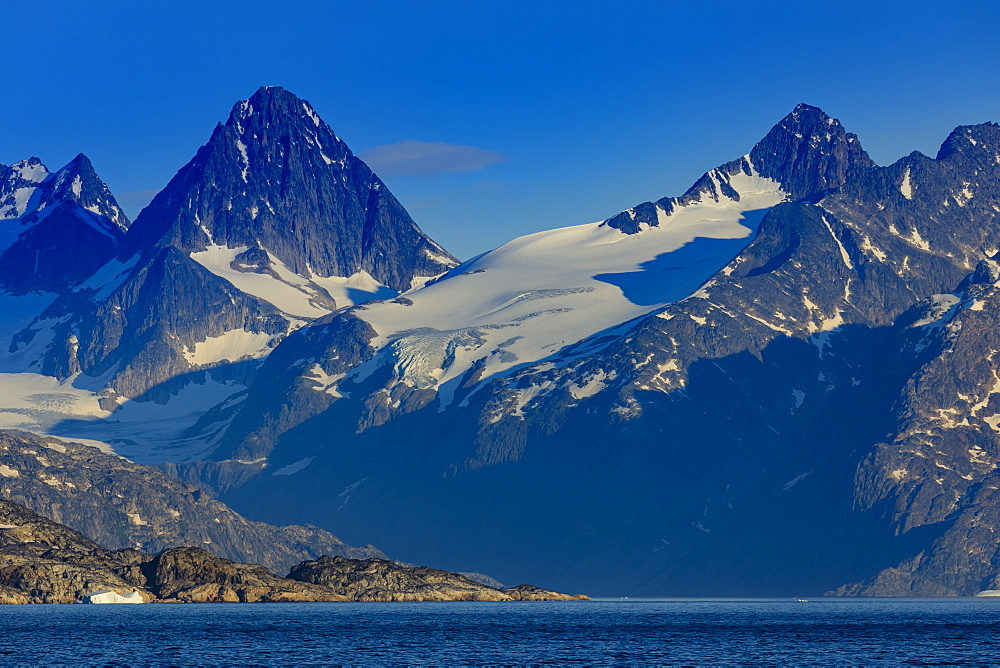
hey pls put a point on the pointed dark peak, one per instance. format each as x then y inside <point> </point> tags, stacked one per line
<point>273,126</point>
<point>80,159</point>
<point>271,98</point>
<point>808,111</point>
<point>806,123</point>
<point>274,108</point>
<point>79,170</point>
<point>29,190</point>
<point>30,162</point>
<point>78,182</point>
<point>81,164</point>
<point>70,224</point>
<point>275,177</point>
<point>808,152</point>
<point>275,100</point>
<point>982,139</point>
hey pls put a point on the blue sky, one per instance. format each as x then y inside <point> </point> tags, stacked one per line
<point>493,120</point>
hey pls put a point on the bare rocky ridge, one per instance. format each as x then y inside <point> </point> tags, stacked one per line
<point>126,505</point>
<point>939,466</point>
<point>786,417</point>
<point>280,199</point>
<point>822,411</point>
<point>46,218</point>
<point>45,562</point>
<point>382,580</point>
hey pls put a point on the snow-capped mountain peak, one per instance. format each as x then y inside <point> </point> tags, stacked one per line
<point>538,295</point>
<point>272,224</point>
<point>55,228</point>
<point>78,182</point>
<point>275,177</point>
<point>18,185</point>
<point>547,299</point>
<point>28,186</point>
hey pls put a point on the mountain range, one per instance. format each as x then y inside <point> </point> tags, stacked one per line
<point>780,382</point>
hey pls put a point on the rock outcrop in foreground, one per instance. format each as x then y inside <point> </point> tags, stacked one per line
<point>42,561</point>
<point>120,504</point>
<point>383,580</point>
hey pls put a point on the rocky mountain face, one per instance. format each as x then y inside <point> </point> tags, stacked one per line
<point>781,382</point>
<point>273,223</point>
<point>536,310</point>
<point>937,466</point>
<point>709,431</point>
<point>125,505</point>
<point>807,152</point>
<point>46,218</point>
<point>275,182</point>
<point>42,561</point>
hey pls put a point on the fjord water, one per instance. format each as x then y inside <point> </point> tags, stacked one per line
<point>825,631</point>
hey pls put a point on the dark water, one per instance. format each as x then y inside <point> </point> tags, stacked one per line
<point>892,631</point>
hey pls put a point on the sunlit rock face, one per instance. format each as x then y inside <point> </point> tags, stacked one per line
<point>273,224</point>
<point>694,383</point>
<point>42,561</point>
<point>121,505</point>
<point>779,382</point>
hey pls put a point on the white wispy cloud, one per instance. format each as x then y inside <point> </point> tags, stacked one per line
<point>422,157</point>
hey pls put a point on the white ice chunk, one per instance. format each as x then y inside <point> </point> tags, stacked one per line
<point>108,596</point>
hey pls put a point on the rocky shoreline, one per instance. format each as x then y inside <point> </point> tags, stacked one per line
<point>42,561</point>
<point>120,504</point>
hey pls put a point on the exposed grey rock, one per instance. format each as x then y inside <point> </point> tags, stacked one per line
<point>126,505</point>
<point>42,561</point>
<point>56,228</point>
<point>193,575</point>
<point>276,177</point>
<point>276,189</point>
<point>730,426</point>
<point>938,466</point>
<point>381,580</point>
<point>822,411</point>
<point>807,152</point>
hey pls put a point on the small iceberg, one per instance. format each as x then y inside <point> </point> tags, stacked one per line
<point>108,596</point>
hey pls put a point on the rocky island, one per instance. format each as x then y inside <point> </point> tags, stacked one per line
<point>42,561</point>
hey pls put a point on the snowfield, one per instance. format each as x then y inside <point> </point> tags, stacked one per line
<point>532,297</point>
<point>523,302</point>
